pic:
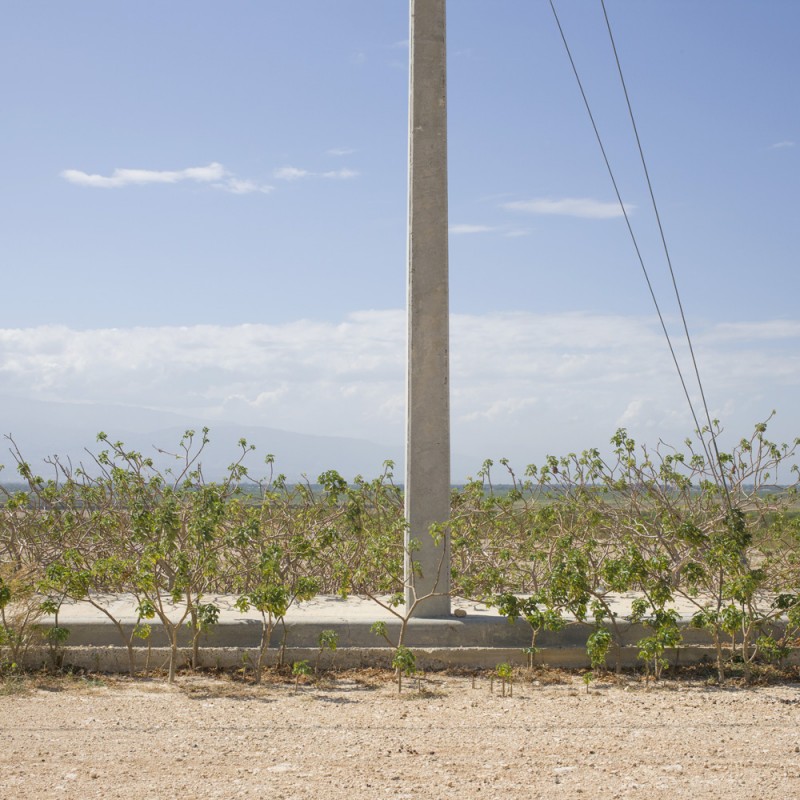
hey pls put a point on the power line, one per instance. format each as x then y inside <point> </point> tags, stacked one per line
<point>667,255</point>
<point>713,462</point>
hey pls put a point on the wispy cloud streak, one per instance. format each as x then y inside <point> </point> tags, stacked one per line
<point>289,173</point>
<point>467,229</point>
<point>583,207</point>
<point>141,177</point>
<point>214,174</point>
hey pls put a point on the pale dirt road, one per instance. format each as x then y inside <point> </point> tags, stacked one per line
<point>212,738</point>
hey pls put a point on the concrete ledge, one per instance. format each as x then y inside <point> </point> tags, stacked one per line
<point>481,639</point>
<point>429,633</point>
<point>115,659</point>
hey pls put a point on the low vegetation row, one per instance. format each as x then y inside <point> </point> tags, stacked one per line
<point>716,530</point>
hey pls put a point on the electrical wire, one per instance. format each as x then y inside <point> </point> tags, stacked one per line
<point>713,462</point>
<point>666,251</point>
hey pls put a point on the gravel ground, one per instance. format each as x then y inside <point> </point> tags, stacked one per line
<point>353,737</point>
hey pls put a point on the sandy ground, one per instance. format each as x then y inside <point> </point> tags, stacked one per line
<point>352,737</point>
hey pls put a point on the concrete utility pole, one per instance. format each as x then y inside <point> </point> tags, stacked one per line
<point>427,486</point>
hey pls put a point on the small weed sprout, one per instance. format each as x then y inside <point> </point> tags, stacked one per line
<point>143,631</point>
<point>246,664</point>
<point>329,640</point>
<point>404,663</point>
<point>204,616</point>
<point>300,669</point>
<point>56,635</point>
<point>530,652</point>
<point>505,672</point>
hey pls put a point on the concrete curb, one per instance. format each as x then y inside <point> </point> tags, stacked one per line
<point>480,640</point>
<point>115,659</point>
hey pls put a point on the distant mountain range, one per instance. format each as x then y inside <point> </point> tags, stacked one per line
<point>44,429</point>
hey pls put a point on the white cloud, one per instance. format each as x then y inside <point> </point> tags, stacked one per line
<point>632,412</point>
<point>140,177</point>
<point>241,186</point>
<point>569,207</point>
<point>340,151</point>
<point>467,229</point>
<point>774,329</point>
<point>214,174</point>
<point>462,229</point>
<point>522,384</point>
<point>782,145</point>
<point>294,174</point>
<point>341,174</point>
<point>500,409</point>
<point>291,173</point>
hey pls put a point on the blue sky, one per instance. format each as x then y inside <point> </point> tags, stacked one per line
<point>203,210</point>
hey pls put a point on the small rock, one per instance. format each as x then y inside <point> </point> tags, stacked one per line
<point>563,770</point>
<point>281,768</point>
<point>460,612</point>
